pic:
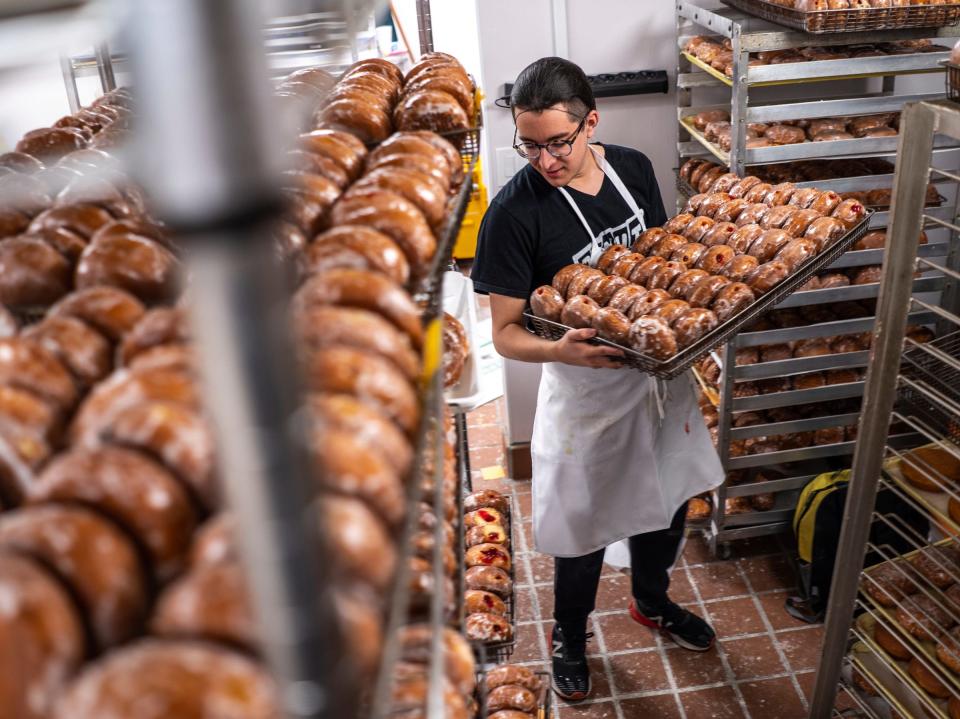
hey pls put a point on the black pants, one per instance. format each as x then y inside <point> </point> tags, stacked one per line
<point>651,555</point>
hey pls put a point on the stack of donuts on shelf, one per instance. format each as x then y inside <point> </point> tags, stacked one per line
<point>718,52</point>
<point>456,349</point>
<point>489,586</point>
<point>732,243</point>
<point>716,127</point>
<point>511,691</point>
<point>918,601</point>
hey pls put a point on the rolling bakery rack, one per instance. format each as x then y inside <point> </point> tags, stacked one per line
<point>790,469</point>
<point>916,386</point>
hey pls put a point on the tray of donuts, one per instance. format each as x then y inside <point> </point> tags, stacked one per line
<point>888,684</point>
<point>489,579</point>
<point>836,16</point>
<point>917,599</point>
<point>930,474</point>
<point>513,691</point>
<point>685,288</point>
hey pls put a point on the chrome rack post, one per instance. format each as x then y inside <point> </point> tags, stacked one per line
<point>70,83</point>
<point>914,152</point>
<point>204,155</point>
<point>105,67</point>
<point>425,25</point>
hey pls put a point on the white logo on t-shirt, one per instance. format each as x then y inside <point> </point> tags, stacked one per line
<point>623,234</point>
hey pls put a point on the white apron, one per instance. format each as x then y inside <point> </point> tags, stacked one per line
<point>615,452</point>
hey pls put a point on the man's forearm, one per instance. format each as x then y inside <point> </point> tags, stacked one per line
<point>514,342</point>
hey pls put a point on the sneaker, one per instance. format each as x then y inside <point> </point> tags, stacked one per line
<point>687,630</point>
<point>571,676</point>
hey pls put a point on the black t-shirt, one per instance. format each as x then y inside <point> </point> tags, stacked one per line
<point>530,231</point>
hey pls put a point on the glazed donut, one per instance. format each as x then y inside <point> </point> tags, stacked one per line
<point>725,182</point>
<point>784,135</point>
<point>730,211</point>
<point>32,273</point>
<point>440,78</point>
<point>667,245</point>
<point>799,221</point>
<point>665,276</point>
<point>752,215</point>
<point>24,193</point>
<point>832,135</point>
<point>677,224</point>
<point>709,177</point>
<point>367,122</point>
<point>647,303</point>
<point>716,257</point>
<point>802,198</point>
<point>363,290</point>
<point>626,264</point>
<point>489,579</point>
<point>927,680</point>
<point>611,325</point>
<point>647,239</point>
<point>700,170</point>
<point>359,544</point>
<point>416,642</point>
<point>767,245</point>
<point>512,674</point>
<point>780,194</point>
<point>487,534</point>
<point>625,298</point>
<point>653,336</point>
<point>670,310</point>
<point>406,144</point>
<point>422,190</point>
<point>20,162</point>
<point>316,176</point>
<point>209,602</point>
<point>137,226</point>
<point>645,269</point>
<point>159,326</point>
<point>369,426</point>
<point>849,212</point>
<point>50,144</point>
<point>692,324</point>
<point>825,203</point>
<point>476,600</point>
<point>13,222</point>
<point>394,216</point>
<point>372,379</point>
<point>511,696</point>
<point>28,366</point>
<point>744,237</point>
<point>377,250</point>
<point>117,482</point>
<point>488,628</point>
<point>712,203</point>
<point>693,204</point>
<point>561,280</point>
<point>686,170</point>
<point>434,110</point>
<point>937,564</point>
<point>758,193</point>
<point>109,310</point>
<point>888,584</point>
<point>581,284</point>
<point>923,618</point>
<point>741,188</point>
<point>703,292</point>
<point>777,216</point>
<point>610,256</point>
<point>185,677</point>
<point>834,279</point>
<point>92,557</point>
<point>547,303</point>
<point>875,240</point>
<point>689,253</point>
<point>50,643</point>
<point>76,346</point>
<point>95,191</point>
<point>948,652</point>
<point>26,418</point>
<point>815,347</point>
<point>373,64</point>
<point>731,300</point>
<point>685,281</point>
<point>579,312</point>
<point>136,264</point>
<point>79,220</point>
<point>866,275</point>
<point>719,234</point>
<point>766,276</point>
<point>345,467</point>
<point>488,555</point>
<point>324,326</point>
<point>796,252</point>
<point>604,289</point>
<point>695,231</point>
<point>441,145</point>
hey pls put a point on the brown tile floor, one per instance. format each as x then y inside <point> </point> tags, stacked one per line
<point>762,663</point>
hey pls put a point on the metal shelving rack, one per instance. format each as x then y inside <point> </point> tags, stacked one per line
<point>910,384</point>
<point>794,467</point>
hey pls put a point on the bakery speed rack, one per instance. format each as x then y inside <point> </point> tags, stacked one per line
<point>912,385</point>
<point>749,34</point>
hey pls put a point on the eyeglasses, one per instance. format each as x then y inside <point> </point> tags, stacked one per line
<point>557,148</point>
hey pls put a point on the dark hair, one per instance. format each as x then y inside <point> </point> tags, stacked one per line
<point>553,80</point>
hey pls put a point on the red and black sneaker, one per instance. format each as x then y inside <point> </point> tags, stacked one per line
<point>686,629</point>
<point>571,675</point>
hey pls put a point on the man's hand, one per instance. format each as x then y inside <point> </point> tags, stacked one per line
<point>573,349</point>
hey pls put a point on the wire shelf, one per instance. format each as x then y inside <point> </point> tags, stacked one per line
<point>851,20</point>
<point>500,652</point>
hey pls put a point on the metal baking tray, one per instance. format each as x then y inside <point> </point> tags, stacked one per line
<point>670,368</point>
<point>929,388</point>
<point>859,20</point>
<point>500,652</point>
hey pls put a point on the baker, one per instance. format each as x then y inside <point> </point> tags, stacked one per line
<point>616,453</point>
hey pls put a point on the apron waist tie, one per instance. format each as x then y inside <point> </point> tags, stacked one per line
<point>659,395</point>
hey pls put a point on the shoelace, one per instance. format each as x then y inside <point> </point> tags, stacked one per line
<point>568,644</point>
